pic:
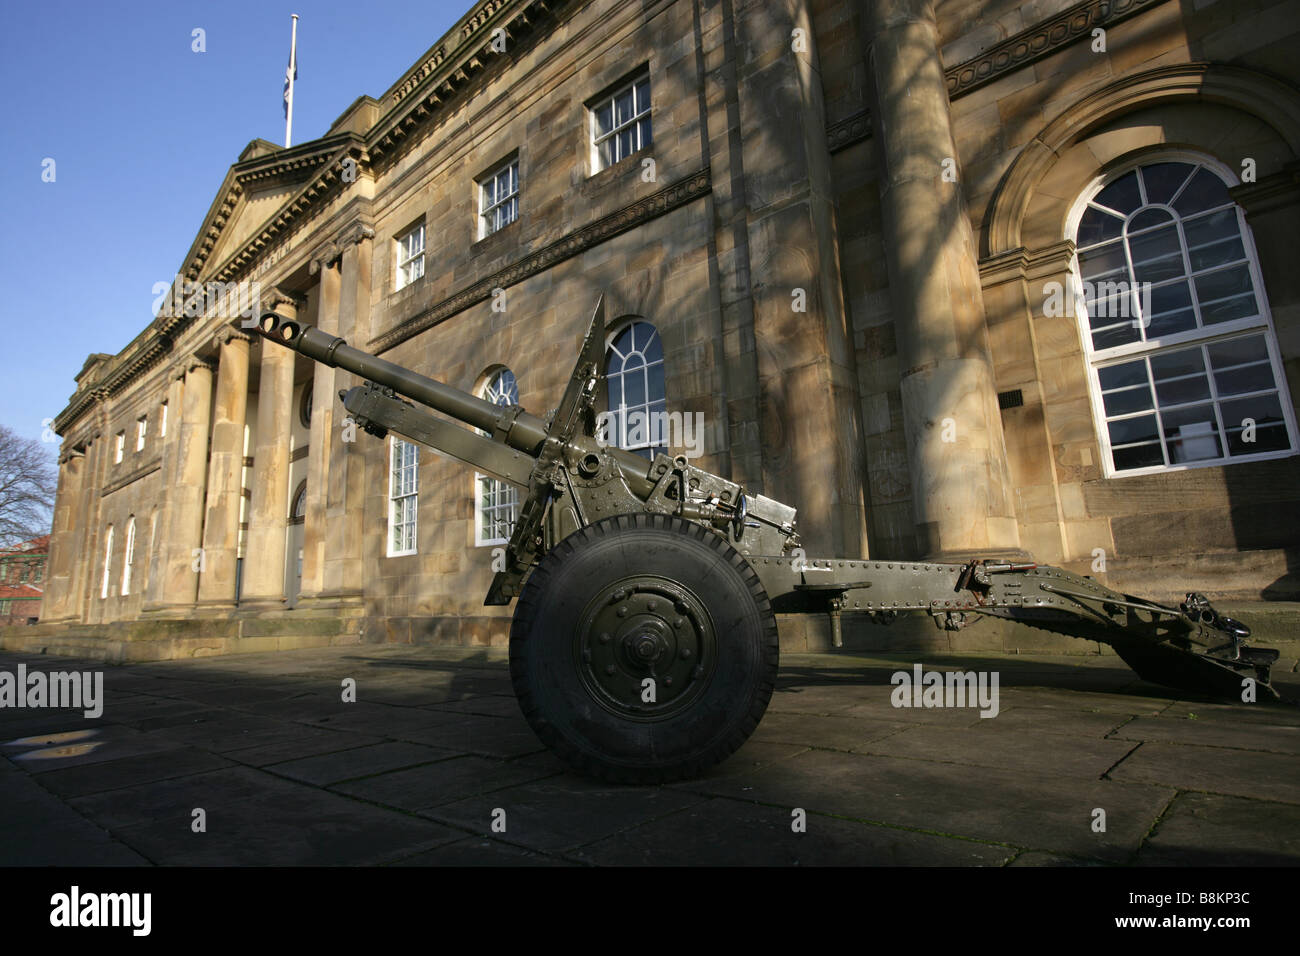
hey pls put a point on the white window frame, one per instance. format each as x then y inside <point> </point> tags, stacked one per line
<point>108,563</point>
<point>403,498</point>
<point>498,489</point>
<point>649,407</point>
<point>130,556</point>
<point>162,421</point>
<point>141,429</point>
<point>596,138</point>
<point>119,447</point>
<point>487,209</point>
<point>409,258</point>
<point>1097,359</point>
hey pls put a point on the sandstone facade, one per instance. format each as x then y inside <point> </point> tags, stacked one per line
<point>845,230</point>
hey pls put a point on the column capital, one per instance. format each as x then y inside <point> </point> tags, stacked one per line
<point>356,233</point>
<point>277,296</point>
<point>188,364</point>
<point>225,336</point>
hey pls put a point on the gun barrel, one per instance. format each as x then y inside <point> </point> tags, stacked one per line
<point>525,433</point>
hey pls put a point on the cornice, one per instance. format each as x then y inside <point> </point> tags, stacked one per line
<point>422,94</point>
<point>574,243</point>
<point>1040,40</point>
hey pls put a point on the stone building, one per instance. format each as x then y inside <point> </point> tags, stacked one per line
<point>955,277</point>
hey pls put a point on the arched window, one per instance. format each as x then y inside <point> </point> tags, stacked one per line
<point>1183,363</point>
<point>497,502</point>
<point>634,374</point>
<point>298,507</point>
<point>108,562</point>
<point>130,555</point>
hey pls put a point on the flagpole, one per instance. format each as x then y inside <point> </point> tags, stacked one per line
<point>289,75</point>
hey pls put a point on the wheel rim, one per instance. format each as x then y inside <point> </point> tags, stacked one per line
<point>645,628</point>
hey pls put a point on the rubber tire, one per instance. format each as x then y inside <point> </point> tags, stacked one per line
<point>566,717</point>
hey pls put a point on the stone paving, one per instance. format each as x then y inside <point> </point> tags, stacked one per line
<point>414,771</point>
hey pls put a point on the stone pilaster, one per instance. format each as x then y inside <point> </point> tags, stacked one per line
<point>184,535</point>
<point>217,580</point>
<point>56,604</point>
<point>810,433</point>
<point>263,580</point>
<point>961,484</point>
<point>168,481</point>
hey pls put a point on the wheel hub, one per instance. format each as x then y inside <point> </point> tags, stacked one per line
<point>646,648</point>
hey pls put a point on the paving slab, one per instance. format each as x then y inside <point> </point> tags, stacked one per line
<point>987,745</point>
<point>540,815</point>
<point>1272,736</point>
<point>726,832</point>
<point>420,788</point>
<point>980,803</point>
<point>359,762</point>
<point>302,827</point>
<point>318,742</point>
<point>39,829</point>
<point>126,772</point>
<point>80,744</point>
<point>1240,773</point>
<point>1205,829</point>
<point>477,852</point>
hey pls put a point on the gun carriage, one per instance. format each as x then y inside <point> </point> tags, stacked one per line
<point>643,646</point>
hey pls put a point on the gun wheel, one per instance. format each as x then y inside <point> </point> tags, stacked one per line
<point>643,649</point>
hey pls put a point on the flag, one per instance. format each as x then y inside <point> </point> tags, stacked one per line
<point>290,74</point>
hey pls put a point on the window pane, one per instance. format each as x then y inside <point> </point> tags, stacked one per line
<point>1121,376</point>
<point>1128,431</point>
<point>1183,390</point>
<point>1121,195</point>
<point>623,111</point>
<point>1205,191</point>
<point>1148,218</point>
<point>1170,310</point>
<point>1128,400</point>
<point>1156,255</point>
<point>1137,456</point>
<point>1121,334</point>
<point>1163,179</point>
<point>604,119</point>
<point>1172,364</point>
<point>1222,284</point>
<point>643,131</point>
<point>1098,226</point>
<point>1104,262</point>
<point>1269,428</point>
<point>1193,434</point>
<point>1238,351</point>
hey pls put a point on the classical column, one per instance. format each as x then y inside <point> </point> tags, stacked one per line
<point>324,400</point>
<point>217,577</point>
<point>346,488</point>
<point>184,536</point>
<point>263,579</point>
<point>63,546</point>
<point>961,487</point>
<point>154,594</point>
<point>336,485</point>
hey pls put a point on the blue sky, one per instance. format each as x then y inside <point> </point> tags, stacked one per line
<point>142,129</point>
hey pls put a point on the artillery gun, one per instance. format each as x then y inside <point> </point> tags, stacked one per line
<point>643,646</point>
